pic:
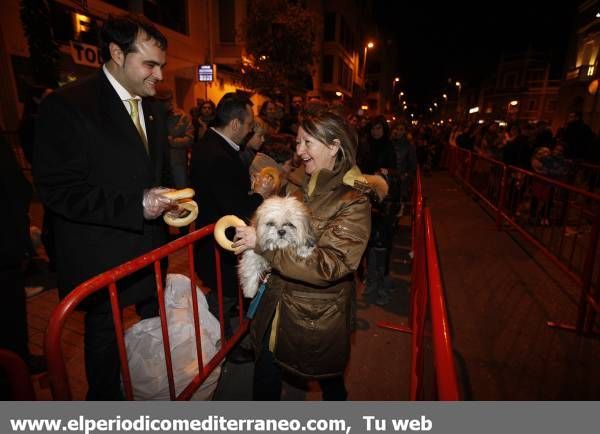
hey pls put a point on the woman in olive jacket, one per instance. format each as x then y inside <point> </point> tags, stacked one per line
<point>303,322</point>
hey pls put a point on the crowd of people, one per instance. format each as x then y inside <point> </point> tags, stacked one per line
<point>530,146</point>
<point>106,148</point>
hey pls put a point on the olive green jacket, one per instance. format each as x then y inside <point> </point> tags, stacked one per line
<point>305,312</point>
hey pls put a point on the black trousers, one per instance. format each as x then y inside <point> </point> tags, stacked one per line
<point>268,380</point>
<point>228,303</point>
<point>13,313</point>
<point>102,365</point>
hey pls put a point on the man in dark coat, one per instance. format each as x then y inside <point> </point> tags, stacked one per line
<point>222,185</point>
<point>101,151</point>
<point>578,137</point>
<point>15,195</point>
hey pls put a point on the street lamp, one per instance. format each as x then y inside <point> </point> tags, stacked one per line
<point>369,45</point>
<point>459,86</point>
<point>512,103</point>
<point>394,81</point>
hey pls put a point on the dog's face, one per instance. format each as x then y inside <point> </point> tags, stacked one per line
<point>283,222</point>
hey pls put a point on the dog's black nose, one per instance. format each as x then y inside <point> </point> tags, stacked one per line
<point>281,232</point>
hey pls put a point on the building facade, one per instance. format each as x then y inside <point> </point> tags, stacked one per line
<point>522,89</point>
<point>340,74</point>
<point>579,89</point>
<point>74,26</point>
<point>200,32</point>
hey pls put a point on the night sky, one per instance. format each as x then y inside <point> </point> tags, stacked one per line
<point>464,40</point>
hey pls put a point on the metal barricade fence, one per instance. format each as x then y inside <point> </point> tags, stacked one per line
<point>562,221</point>
<point>445,368</point>
<point>585,176</point>
<point>428,316</point>
<point>57,371</point>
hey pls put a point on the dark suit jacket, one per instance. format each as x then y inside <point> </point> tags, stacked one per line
<point>90,169</point>
<point>222,184</point>
<point>15,195</point>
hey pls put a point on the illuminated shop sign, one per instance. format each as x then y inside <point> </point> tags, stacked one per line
<point>206,73</point>
<point>84,54</point>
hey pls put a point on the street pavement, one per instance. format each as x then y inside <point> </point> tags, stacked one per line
<point>500,294</point>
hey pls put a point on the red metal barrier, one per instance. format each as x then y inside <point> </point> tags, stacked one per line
<point>584,175</point>
<point>562,221</point>
<point>427,292</point>
<point>17,375</point>
<point>442,341</point>
<point>57,372</point>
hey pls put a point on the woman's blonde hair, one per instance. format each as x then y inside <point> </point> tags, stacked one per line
<point>327,126</point>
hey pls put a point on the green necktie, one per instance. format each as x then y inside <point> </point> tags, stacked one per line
<point>135,117</point>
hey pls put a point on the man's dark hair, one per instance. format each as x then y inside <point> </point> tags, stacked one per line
<point>232,106</point>
<point>278,147</point>
<point>123,31</point>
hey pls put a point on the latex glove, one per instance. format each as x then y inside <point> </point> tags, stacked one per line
<point>155,203</point>
<point>263,185</point>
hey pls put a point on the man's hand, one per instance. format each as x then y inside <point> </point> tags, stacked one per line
<point>155,203</point>
<point>263,185</point>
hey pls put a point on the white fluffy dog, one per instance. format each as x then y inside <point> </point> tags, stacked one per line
<point>280,222</point>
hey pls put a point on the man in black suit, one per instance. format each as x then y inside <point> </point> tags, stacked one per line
<point>222,185</point>
<point>101,151</point>
<point>15,195</point>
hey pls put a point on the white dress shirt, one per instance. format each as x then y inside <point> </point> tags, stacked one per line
<point>227,139</point>
<point>125,95</point>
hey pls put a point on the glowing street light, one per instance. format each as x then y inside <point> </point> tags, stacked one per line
<point>513,103</point>
<point>369,45</point>
<point>394,81</point>
<point>338,93</point>
<point>459,86</point>
<point>445,96</point>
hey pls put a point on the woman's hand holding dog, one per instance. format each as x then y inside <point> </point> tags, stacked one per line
<point>245,239</point>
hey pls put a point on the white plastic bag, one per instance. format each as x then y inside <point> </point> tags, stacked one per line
<point>145,352</point>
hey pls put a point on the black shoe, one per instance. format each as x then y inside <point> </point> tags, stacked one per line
<point>240,355</point>
<point>37,364</point>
